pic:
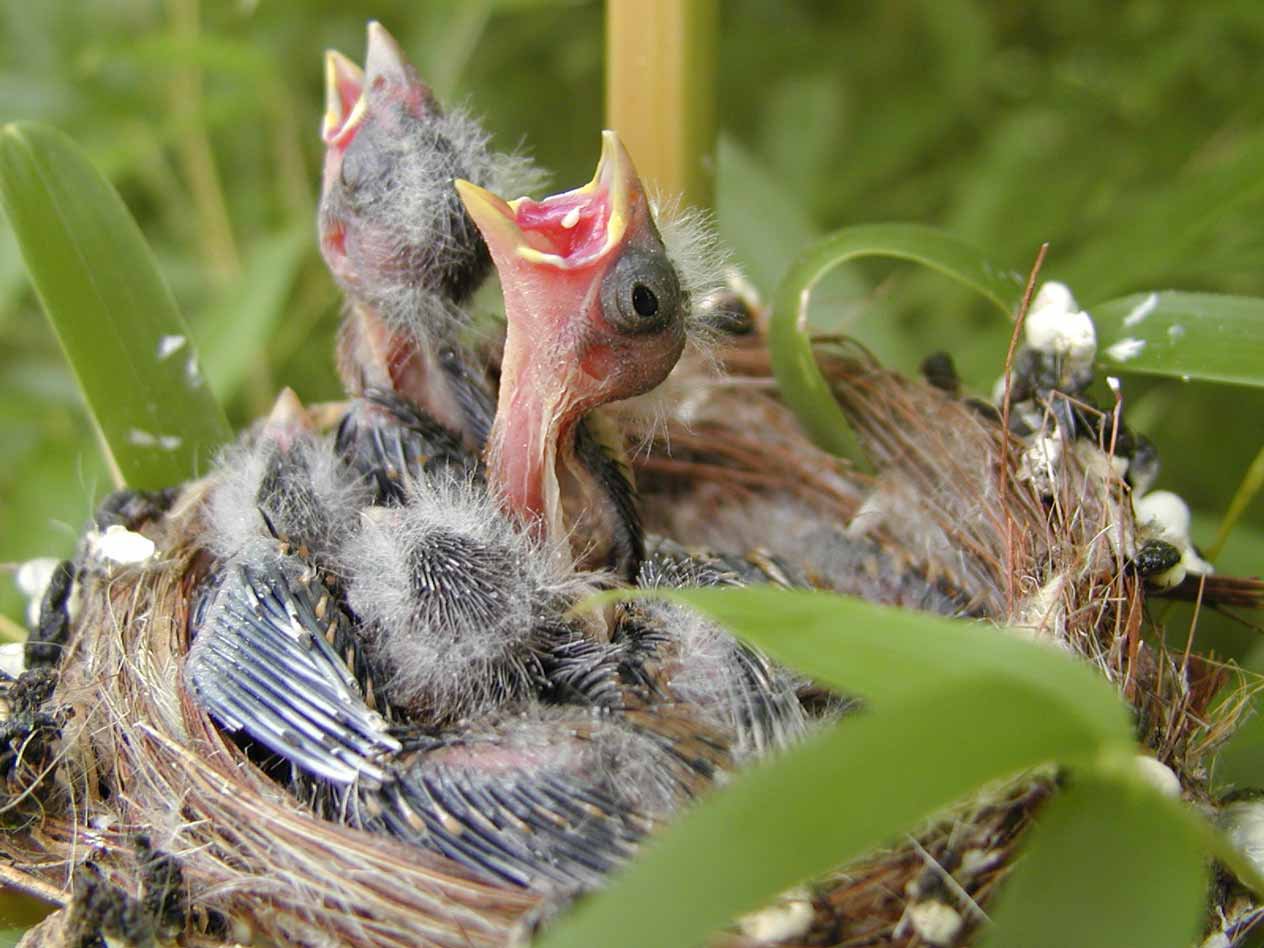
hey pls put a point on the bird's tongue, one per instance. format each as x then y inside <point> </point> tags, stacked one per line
<point>570,226</point>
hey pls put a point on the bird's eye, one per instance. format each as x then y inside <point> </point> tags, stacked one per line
<point>349,173</point>
<point>643,300</point>
<point>641,292</point>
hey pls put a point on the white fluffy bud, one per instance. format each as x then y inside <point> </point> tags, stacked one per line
<point>1055,326</point>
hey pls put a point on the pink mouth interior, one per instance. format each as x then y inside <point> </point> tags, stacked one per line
<point>348,95</point>
<point>541,223</point>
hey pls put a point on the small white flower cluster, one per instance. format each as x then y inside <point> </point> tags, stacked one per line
<point>1058,352</point>
<point>1162,515</point>
<point>1060,346</point>
<point>32,580</point>
<point>118,545</point>
<point>1055,327</point>
<point>1039,462</point>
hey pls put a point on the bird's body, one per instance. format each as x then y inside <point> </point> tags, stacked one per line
<point>398,240</point>
<point>419,661</point>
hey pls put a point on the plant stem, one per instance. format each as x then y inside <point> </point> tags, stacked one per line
<point>195,149</point>
<point>660,66</point>
<point>1250,486</point>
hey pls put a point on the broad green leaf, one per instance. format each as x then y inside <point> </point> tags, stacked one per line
<point>18,911</point>
<point>130,348</point>
<point>1184,335</point>
<point>235,330</point>
<point>1109,863</point>
<point>952,705</point>
<point>798,377</point>
<point>887,654</point>
<point>832,798</point>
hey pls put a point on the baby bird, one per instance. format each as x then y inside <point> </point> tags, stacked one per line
<point>273,655</point>
<point>455,601</point>
<point>596,313</point>
<point>398,241</point>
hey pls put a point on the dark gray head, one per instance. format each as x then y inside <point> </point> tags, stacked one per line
<point>282,481</point>
<point>390,222</point>
<point>457,604</point>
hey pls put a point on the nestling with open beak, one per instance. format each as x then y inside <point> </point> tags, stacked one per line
<point>460,601</point>
<point>456,596</point>
<point>399,242</point>
<point>596,313</point>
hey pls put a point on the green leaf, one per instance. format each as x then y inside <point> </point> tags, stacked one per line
<point>828,800</point>
<point>950,705</point>
<point>1110,862</point>
<point>235,329</point>
<point>888,654</point>
<point>800,381</point>
<point>118,324</point>
<point>1186,336</point>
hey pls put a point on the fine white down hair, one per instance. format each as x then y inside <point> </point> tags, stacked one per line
<point>456,602</point>
<point>294,484</point>
<point>733,687</point>
<point>701,261</point>
<point>418,198</point>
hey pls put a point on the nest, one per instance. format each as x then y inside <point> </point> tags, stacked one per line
<point>124,803</point>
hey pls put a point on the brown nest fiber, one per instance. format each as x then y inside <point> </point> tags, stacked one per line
<point>124,801</point>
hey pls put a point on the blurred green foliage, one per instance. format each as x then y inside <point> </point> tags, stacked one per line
<point>1126,135</point>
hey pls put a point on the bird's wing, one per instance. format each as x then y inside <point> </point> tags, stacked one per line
<point>392,444</point>
<point>265,662</point>
<point>527,829</point>
<point>556,798</point>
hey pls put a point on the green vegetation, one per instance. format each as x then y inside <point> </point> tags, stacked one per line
<point>1122,136</point>
<point>1125,137</point>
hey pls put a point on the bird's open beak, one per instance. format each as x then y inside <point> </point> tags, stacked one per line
<point>384,61</point>
<point>566,231</point>
<point>344,102</point>
<point>551,256</point>
<point>348,87</point>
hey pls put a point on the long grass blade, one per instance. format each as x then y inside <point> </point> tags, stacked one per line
<point>1205,336</point>
<point>802,385</point>
<point>128,344</point>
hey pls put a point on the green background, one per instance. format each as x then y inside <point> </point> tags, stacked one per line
<point>1128,135</point>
